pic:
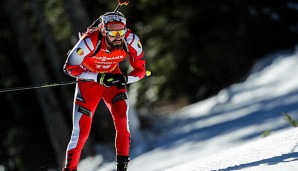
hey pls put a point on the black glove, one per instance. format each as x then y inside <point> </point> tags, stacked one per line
<point>109,80</point>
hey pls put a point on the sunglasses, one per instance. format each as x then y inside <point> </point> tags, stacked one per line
<point>115,33</point>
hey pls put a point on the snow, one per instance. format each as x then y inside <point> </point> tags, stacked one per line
<point>272,153</point>
<point>224,132</point>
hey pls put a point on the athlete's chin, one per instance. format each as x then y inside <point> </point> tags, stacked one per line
<point>117,43</point>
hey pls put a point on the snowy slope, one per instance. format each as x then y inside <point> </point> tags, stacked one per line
<point>238,115</point>
<point>278,152</point>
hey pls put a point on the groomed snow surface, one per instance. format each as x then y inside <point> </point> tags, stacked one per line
<point>276,153</point>
<point>224,132</point>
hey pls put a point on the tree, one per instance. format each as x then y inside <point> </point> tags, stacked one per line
<point>53,116</point>
<point>196,48</point>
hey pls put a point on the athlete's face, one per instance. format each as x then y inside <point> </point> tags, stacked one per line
<point>114,35</point>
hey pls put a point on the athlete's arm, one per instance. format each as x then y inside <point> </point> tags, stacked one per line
<point>73,65</point>
<point>136,60</point>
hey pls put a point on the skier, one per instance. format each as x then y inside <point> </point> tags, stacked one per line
<point>94,61</point>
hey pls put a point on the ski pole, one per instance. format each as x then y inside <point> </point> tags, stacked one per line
<point>148,73</point>
<point>40,86</point>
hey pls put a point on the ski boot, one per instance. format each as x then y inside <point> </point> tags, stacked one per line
<point>122,163</point>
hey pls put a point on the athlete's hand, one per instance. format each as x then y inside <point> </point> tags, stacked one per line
<point>109,80</point>
<point>122,2</point>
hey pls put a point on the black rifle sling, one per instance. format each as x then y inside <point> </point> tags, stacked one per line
<point>99,37</point>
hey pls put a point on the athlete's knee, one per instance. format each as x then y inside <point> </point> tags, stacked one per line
<point>120,110</point>
<point>119,97</point>
<point>81,129</point>
<point>85,127</point>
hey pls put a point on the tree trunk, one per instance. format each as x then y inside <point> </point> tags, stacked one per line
<point>51,111</point>
<point>53,56</point>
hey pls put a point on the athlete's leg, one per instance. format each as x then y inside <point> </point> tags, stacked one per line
<point>87,97</point>
<point>117,102</point>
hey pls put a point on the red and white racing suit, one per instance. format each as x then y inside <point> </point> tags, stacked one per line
<point>83,64</point>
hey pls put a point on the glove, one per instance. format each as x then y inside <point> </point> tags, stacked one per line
<point>122,2</point>
<point>109,80</point>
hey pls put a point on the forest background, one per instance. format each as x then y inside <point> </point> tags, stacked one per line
<point>194,49</point>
